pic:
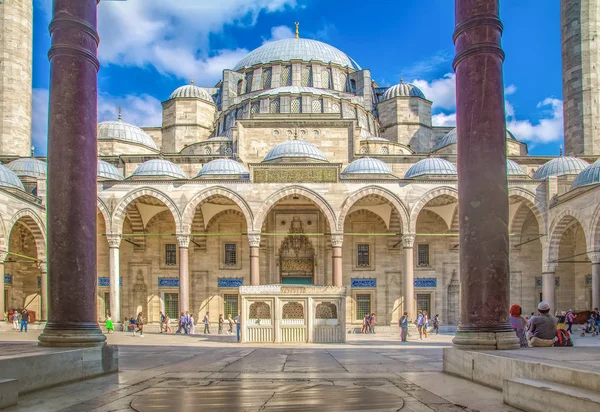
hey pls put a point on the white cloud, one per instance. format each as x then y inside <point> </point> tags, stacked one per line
<point>278,33</point>
<point>39,130</point>
<point>443,119</point>
<point>442,92</point>
<point>509,109</point>
<point>430,64</point>
<point>546,130</point>
<point>510,89</point>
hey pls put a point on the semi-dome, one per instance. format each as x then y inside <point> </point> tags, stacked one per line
<point>9,179</point>
<point>191,91</point>
<point>120,130</point>
<point>368,165</point>
<point>430,166</point>
<point>402,90</point>
<point>159,168</point>
<point>513,168</point>
<point>29,167</point>
<point>306,50</point>
<point>298,150</point>
<point>223,167</point>
<point>451,138</point>
<point>563,165</point>
<point>588,176</point>
<point>296,90</point>
<point>108,171</point>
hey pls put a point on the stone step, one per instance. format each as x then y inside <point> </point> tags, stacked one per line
<point>542,396</point>
<point>9,392</point>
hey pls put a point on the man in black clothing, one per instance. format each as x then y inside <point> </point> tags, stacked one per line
<point>24,320</point>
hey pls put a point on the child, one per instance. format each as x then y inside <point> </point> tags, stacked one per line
<point>110,328</point>
<point>221,321</point>
<point>230,320</point>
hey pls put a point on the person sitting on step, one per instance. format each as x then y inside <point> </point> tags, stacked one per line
<point>542,328</point>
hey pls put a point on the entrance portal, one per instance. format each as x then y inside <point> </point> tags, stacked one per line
<point>297,256</point>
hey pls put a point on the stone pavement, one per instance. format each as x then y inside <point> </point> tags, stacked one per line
<point>211,373</point>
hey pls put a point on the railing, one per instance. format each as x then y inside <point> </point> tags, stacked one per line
<point>292,321</point>
<point>293,334</point>
<point>259,334</point>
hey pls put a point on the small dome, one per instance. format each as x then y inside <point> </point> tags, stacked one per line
<point>159,168</point>
<point>108,172</point>
<point>451,138</point>
<point>563,165</point>
<point>368,165</point>
<point>191,91</point>
<point>29,167</point>
<point>299,150</point>
<point>589,176</point>
<point>9,179</point>
<point>223,167</point>
<point>402,90</point>
<point>513,169</point>
<point>286,50</point>
<point>119,130</point>
<point>430,166</point>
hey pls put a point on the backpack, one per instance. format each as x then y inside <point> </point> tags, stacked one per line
<point>562,338</point>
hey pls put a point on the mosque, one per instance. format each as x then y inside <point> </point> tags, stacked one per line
<point>298,168</point>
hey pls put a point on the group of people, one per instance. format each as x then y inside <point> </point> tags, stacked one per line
<point>369,323</point>
<point>422,324</point>
<point>20,320</point>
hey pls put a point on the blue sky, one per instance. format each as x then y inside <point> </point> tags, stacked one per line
<point>150,47</point>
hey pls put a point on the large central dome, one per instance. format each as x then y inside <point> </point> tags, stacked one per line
<point>296,49</point>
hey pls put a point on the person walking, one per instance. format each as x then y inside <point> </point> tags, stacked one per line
<point>237,326</point>
<point>403,323</point>
<point>372,323</point>
<point>15,319</point>
<point>167,323</point>
<point>365,325</point>
<point>425,323</point>
<point>206,322</point>
<point>420,324</point>
<point>570,319</point>
<point>110,328</point>
<point>139,322</point>
<point>182,324</point>
<point>162,321</point>
<point>230,320</point>
<point>24,320</point>
<point>436,324</point>
<point>192,325</point>
<point>221,321</point>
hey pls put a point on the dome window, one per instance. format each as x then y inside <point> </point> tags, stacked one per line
<point>385,150</point>
<point>296,105</point>
<point>317,105</point>
<point>364,150</point>
<point>343,79</point>
<point>267,74</point>
<point>335,108</point>
<point>249,77</point>
<point>326,78</point>
<point>286,76</point>
<point>274,106</point>
<point>353,86</point>
<point>255,107</point>
<point>307,76</point>
<point>207,150</point>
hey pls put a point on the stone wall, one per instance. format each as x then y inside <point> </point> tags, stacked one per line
<point>186,121</point>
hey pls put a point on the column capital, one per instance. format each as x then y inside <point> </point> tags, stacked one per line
<point>337,239</point>
<point>254,239</point>
<point>549,267</point>
<point>183,241</point>
<point>408,241</point>
<point>114,240</point>
<point>594,257</point>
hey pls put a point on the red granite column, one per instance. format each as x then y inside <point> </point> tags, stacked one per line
<point>482,184</point>
<point>72,163</point>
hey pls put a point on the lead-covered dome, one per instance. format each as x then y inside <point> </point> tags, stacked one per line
<point>106,171</point>
<point>513,168</point>
<point>306,50</point>
<point>29,167</point>
<point>402,90</point>
<point>296,151</point>
<point>9,179</point>
<point>191,91</point>
<point>159,168</point>
<point>451,138</point>
<point>563,165</point>
<point>431,166</point>
<point>368,166</point>
<point>588,176</point>
<point>223,167</point>
<point>120,130</point>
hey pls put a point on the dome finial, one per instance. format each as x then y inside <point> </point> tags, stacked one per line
<point>32,151</point>
<point>192,81</point>
<point>297,31</point>
<point>401,80</point>
<point>560,148</point>
<point>120,117</point>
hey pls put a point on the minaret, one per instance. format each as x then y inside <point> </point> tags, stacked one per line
<point>16,54</point>
<point>580,25</point>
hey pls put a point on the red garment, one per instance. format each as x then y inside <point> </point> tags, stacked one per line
<point>515,310</point>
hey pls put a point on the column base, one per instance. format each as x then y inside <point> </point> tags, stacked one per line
<point>72,335</point>
<point>496,337</point>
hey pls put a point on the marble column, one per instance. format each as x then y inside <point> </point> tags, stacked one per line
<point>114,243</point>
<point>184,273</point>
<point>408,243</point>
<point>2,302</point>
<point>71,190</point>
<point>482,183</point>
<point>595,258</point>
<point>44,290</point>
<point>549,284</point>
<point>254,242</point>
<point>336,259</point>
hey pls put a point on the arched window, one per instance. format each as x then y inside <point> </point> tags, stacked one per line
<point>335,108</point>
<point>296,105</point>
<point>249,82</point>
<point>266,78</point>
<point>317,105</point>
<point>385,150</point>
<point>343,80</point>
<point>307,76</point>
<point>286,76</point>
<point>326,78</point>
<point>255,107</point>
<point>260,310</point>
<point>207,150</point>
<point>293,310</point>
<point>274,105</point>
<point>326,310</point>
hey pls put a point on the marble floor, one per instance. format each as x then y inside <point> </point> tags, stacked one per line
<point>214,373</point>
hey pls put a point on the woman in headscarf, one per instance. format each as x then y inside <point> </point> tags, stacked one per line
<point>518,324</point>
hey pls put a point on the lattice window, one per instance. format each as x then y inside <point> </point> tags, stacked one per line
<point>274,106</point>
<point>335,108</point>
<point>317,105</point>
<point>349,112</point>
<point>267,74</point>
<point>343,80</point>
<point>424,302</point>
<point>286,76</point>
<point>249,77</point>
<point>326,310</point>
<point>207,150</point>
<point>307,76</point>
<point>363,305</point>
<point>385,150</point>
<point>364,150</point>
<point>230,254</point>
<point>260,310</point>
<point>170,254</point>
<point>172,305</point>
<point>362,119</point>
<point>296,105</point>
<point>423,255</point>
<point>326,78</point>
<point>228,151</point>
<point>240,85</point>
<point>363,255</point>
<point>230,305</point>
<point>255,107</point>
<point>293,310</point>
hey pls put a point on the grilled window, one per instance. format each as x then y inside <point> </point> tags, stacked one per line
<point>266,78</point>
<point>317,106</point>
<point>230,254</point>
<point>230,305</point>
<point>274,106</point>
<point>307,76</point>
<point>249,77</point>
<point>172,305</point>
<point>296,105</point>
<point>170,254</point>
<point>423,255</point>
<point>363,258</point>
<point>325,79</point>
<point>255,107</point>
<point>286,76</point>
<point>363,305</point>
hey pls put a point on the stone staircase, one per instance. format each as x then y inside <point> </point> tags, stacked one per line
<point>542,396</point>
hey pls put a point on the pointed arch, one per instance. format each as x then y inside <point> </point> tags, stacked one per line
<point>374,191</point>
<point>426,198</point>
<point>560,224</point>
<point>105,213</point>
<point>594,231</point>
<point>190,208</point>
<point>314,197</point>
<point>532,203</point>
<point>35,225</point>
<point>118,216</point>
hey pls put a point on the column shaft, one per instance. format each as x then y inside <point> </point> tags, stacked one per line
<point>72,161</point>
<point>337,276</point>
<point>115,284</point>
<point>548,289</point>
<point>184,280</point>
<point>44,290</point>
<point>409,282</point>
<point>254,266</point>
<point>482,184</point>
